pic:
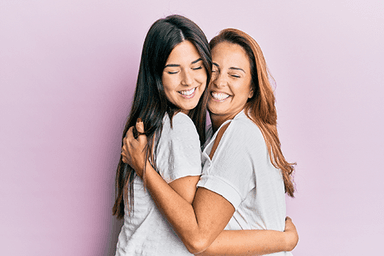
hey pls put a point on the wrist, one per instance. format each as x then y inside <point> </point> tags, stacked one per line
<point>139,165</point>
<point>149,169</point>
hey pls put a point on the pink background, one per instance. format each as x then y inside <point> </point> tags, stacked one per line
<point>67,74</point>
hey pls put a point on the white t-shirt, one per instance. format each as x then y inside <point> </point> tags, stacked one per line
<point>241,171</point>
<point>178,155</point>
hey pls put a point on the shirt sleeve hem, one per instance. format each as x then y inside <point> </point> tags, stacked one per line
<point>182,174</point>
<point>221,187</point>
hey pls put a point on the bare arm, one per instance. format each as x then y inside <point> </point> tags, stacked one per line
<point>200,224</point>
<point>254,242</point>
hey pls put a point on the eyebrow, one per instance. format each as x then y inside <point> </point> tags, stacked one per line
<point>233,68</point>
<point>199,59</point>
<point>178,65</point>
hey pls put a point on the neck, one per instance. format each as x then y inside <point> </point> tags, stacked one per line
<point>218,120</point>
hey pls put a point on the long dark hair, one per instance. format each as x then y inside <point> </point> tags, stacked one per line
<point>150,102</point>
<point>261,107</point>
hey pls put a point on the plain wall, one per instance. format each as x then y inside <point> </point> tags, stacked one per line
<point>67,76</point>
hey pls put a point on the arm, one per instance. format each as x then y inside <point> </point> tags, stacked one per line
<point>254,242</point>
<point>241,242</point>
<point>179,212</point>
<point>199,225</point>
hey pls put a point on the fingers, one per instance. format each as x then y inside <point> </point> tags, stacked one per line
<point>140,126</point>
<point>289,224</point>
<point>140,130</point>
<point>124,159</point>
<point>124,156</point>
<point>129,135</point>
<point>124,149</point>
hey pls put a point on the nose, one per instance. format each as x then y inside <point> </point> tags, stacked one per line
<point>187,78</point>
<point>219,79</point>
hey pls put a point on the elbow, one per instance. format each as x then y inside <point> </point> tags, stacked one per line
<point>196,245</point>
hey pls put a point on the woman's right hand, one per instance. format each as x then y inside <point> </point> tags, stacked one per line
<point>292,237</point>
<point>133,151</point>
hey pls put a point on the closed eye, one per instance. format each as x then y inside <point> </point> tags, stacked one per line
<point>215,67</point>
<point>197,68</point>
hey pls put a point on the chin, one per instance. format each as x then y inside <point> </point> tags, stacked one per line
<point>189,108</point>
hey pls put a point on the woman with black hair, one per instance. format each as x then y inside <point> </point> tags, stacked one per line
<point>171,98</point>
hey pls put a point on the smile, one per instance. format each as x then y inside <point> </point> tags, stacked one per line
<point>219,96</point>
<point>188,93</point>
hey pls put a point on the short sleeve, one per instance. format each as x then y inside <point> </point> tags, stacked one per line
<point>178,152</point>
<point>231,172</point>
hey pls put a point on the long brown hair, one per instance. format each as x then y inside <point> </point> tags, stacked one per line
<point>150,102</point>
<point>261,107</point>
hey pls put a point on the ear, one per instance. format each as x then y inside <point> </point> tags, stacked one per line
<point>250,95</point>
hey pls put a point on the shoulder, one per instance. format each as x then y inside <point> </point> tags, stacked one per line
<point>178,152</point>
<point>237,138</point>
<point>184,124</point>
<point>181,126</point>
<point>244,130</point>
<point>182,119</point>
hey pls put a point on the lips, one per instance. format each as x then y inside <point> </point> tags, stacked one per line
<point>220,96</point>
<point>188,93</point>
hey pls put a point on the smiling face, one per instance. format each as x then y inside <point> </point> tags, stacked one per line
<point>184,77</point>
<point>230,86</point>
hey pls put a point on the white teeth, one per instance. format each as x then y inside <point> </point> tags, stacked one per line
<point>189,92</point>
<point>219,95</point>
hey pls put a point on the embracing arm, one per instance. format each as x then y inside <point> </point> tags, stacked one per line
<point>192,223</point>
<point>254,242</point>
<point>240,242</point>
<point>201,224</point>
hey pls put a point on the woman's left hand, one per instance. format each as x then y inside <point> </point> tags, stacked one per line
<point>133,151</point>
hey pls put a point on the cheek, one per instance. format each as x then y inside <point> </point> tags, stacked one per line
<point>201,77</point>
<point>165,81</point>
<point>168,83</point>
<point>243,91</point>
<point>203,83</point>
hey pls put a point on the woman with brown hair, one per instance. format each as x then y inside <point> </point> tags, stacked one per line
<point>245,175</point>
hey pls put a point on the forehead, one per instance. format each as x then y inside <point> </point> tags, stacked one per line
<point>183,52</point>
<point>230,54</point>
